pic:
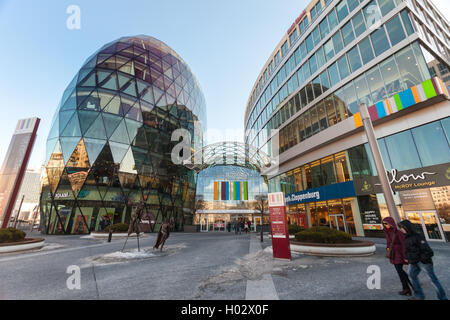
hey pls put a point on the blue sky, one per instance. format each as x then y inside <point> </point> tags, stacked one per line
<point>226,44</point>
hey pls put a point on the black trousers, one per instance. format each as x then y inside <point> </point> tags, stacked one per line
<point>406,283</point>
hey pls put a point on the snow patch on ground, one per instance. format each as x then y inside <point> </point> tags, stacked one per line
<point>52,246</point>
<point>133,255</point>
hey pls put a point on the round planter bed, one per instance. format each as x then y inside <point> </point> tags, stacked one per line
<point>353,249</point>
<point>27,244</point>
<point>105,235</point>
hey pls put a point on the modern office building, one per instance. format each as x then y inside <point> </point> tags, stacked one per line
<point>30,192</point>
<point>392,55</point>
<point>110,141</point>
<point>14,166</point>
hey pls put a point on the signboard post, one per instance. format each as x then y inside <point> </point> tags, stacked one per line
<point>279,229</point>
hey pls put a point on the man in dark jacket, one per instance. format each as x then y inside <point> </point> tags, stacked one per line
<point>419,253</point>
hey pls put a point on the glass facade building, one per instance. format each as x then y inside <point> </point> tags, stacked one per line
<point>110,139</point>
<point>303,109</point>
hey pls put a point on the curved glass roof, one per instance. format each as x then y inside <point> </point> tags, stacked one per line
<point>231,153</point>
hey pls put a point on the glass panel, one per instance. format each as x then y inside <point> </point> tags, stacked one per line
<point>347,33</point>
<point>317,87</point>
<point>407,22</point>
<point>362,91</point>
<point>321,112</point>
<point>372,14</point>
<point>386,6</point>
<point>376,84</point>
<point>324,80</point>
<point>320,58</point>
<point>328,47</point>
<point>411,76</point>
<point>380,41</point>
<point>316,36</point>
<point>334,74</point>
<point>337,42</point>
<point>395,30</point>
<point>402,151</point>
<point>309,43</point>
<point>431,225</point>
<point>339,104</point>
<point>366,50</point>
<point>313,64</point>
<point>423,136</point>
<point>342,10</point>
<point>332,19</point>
<point>343,67</point>
<point>354,59</point>
<point>359,24</point>
<point>341,167</point>
<point>307,120</point>
<point>314,120</point>
<point>352,4</point>
<point>350,99</point>
<point>324,30</point>
<point>309,92</point>
<point>391,76</point>
<point>316,175</point>
<point>328,170</point>
<point>331,112</point>
<point>301,127</point>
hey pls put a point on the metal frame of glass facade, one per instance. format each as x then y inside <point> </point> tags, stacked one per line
<point>110,139</point>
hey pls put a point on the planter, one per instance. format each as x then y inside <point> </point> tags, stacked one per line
<point>105,235</point>
<point>27,244</point>
<point>353,249</point>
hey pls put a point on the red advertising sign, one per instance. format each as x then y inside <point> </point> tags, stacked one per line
<point>302,220</point>
<point>279,228</point>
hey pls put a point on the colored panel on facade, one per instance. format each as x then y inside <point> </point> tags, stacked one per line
<point>380,110</point>
<point>245,190</point>
<point>407,98</point>
<point>428,88</point>
<point>222,191</point>
<point>357,119</point>
<point>373,113</point>
<point>238,190</point>
<point>398,102</point>
<point>227,190</point>
<point>216,190</point>
<point>415,94</point>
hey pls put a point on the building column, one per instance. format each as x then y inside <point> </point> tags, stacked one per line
<point>357,218</point>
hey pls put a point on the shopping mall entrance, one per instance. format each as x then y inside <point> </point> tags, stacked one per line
<point>337,221</point>
<point>426,223</point>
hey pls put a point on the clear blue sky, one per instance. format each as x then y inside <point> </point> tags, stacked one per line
<point>226,43</point>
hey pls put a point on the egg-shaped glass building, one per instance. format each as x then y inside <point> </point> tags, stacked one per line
<point>110,140</point>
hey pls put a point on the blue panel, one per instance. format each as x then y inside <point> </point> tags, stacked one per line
<point>407,98</point>
<point>238,190</point>
<point>380,110</point>
<point>227,190</point>
<point>333,191</point>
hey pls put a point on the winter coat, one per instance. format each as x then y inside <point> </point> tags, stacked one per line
<point>417,249</point>
<point>395,242</point>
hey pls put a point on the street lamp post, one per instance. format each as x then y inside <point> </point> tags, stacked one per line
<point>376,154</point>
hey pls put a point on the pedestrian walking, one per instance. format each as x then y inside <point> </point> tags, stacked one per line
<point>419,254</point>
<point>249,224</point>
<point>241,226</point>
<point>395,251</point>
<point>236,226</point>
<point>229,226</point>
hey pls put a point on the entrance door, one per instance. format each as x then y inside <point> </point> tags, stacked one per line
<point>204,224</point>
<point>337,221</point>
<point>426,223</point>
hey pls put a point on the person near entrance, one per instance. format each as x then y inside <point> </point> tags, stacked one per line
<point>236,226</point>
<point>229,226</point>
<point>395,251</point>
<point>419,253</point>
<point>249,225</point>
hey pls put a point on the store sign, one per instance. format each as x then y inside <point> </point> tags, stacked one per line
<point>279,228</point>
<point>371,220</point>
<point>419,199</point>
<point>429,177</point>
<point>332,191</point>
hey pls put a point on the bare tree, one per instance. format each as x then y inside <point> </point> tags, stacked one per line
<point>261,205</point>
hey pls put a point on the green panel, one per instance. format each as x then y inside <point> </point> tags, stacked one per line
<point>429,89</point>
<point>245,191</point>
<point>398,102</point>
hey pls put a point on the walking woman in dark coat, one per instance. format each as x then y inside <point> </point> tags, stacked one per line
<point>396,248</point>
<point>418,254</point>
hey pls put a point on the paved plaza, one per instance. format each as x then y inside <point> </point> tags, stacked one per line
<point>199,266</point>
